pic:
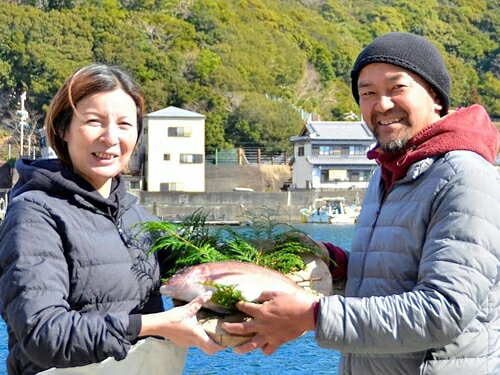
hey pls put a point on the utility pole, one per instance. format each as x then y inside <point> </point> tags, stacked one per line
<point>23,114</point>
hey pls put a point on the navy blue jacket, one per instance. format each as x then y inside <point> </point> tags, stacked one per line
<point>74,274</point>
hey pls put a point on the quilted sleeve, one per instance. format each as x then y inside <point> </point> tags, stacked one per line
<point>456,282</point>
<point>34,288</point>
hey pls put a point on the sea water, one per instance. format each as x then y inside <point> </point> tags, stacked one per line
<point>299,357</point>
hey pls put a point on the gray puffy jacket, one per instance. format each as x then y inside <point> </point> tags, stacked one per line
<point>73,276</point>
<point>423,291</point>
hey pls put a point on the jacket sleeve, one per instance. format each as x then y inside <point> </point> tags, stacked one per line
<point>34,289</point>
<point>337,266</point>
<point>456,277</point>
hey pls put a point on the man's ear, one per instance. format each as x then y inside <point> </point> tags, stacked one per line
<point>437,102</point>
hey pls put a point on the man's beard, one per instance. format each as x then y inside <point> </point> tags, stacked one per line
<point>394,145</point>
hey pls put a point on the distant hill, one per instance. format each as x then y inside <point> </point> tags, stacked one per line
<point>249,65</point>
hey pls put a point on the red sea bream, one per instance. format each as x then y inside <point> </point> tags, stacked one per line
<point>250,279</point>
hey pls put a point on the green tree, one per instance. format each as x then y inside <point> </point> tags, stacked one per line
<point>262,122</point>
<point>248,65</point>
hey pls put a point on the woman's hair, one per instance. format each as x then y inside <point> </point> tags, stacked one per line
<point>85,81</point>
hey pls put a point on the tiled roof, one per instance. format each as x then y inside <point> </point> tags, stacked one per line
<point>341,160</point>
<point>175,112</point>
<point>338,130</point>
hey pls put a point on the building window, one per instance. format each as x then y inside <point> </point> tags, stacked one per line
<point>333,175</point>
<point>166,156</point>
<point>300,151</point>
<point>338,150</point>
<point>171,186</point>
<point>325,150</point>
<point>356,176</point>
<point>357,150</point>
<point>322,150</point>
<point>191,158</point>
<point>180,131</point>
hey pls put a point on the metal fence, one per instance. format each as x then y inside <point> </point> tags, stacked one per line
<point>9,151</point>
<point>246,156</point>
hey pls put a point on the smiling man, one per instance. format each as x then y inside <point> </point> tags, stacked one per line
<point>422,292</point>
<point>400,89</point>
<point>396,104</point>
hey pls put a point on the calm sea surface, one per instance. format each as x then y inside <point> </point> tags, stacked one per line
<point>298,357</point>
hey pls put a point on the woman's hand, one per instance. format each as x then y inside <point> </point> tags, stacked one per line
<point>180,326</point>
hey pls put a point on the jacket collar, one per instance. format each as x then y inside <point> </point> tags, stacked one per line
<point>465,129</point>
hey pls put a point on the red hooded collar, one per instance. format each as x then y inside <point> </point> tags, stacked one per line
<point>465,129</point>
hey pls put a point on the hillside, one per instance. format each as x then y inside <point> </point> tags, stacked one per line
<point>246,64</point>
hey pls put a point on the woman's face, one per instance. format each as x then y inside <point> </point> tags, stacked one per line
<point>102,136</point>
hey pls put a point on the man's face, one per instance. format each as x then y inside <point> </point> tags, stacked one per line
<point>396,104</point>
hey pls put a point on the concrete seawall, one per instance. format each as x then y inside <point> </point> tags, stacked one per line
<point>231,205</point>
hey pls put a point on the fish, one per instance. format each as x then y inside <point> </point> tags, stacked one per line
<point>248,278</point>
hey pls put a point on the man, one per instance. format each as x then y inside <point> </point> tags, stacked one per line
<point>422,293</point>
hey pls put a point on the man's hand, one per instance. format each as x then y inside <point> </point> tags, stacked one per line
<point>180,326</point>
<point>280,318</point>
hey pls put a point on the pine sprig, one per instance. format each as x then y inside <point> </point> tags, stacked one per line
<point>225,295</point>
<point>265,242</point>
<point>239,249</point>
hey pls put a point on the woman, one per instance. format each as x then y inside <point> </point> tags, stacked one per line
<point>77,283</point>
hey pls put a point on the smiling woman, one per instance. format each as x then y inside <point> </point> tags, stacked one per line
<point>101,137</point>
<point>94,123</point>
<point>78,285</point>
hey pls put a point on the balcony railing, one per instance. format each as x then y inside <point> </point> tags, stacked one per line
<point>246,156</point>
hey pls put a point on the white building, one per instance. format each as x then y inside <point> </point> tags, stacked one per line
<point>173,145</point>
<point>46,151</point>
<point>332,154</point>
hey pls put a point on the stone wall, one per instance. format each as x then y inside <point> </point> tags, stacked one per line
<point>228,206</point>
<point>268,178</point>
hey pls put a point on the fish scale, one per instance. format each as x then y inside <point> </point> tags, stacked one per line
<point>250,279</point>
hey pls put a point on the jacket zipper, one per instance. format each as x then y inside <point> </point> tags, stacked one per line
<point>122,233</point>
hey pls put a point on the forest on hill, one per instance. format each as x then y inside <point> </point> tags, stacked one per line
<point>249,65</point>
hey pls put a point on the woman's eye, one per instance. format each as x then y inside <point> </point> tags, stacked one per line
<point>93,121</point>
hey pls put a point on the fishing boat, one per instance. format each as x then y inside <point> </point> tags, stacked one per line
<point>330,210</point>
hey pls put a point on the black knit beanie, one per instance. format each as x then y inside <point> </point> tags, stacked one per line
<point>411,52</point>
